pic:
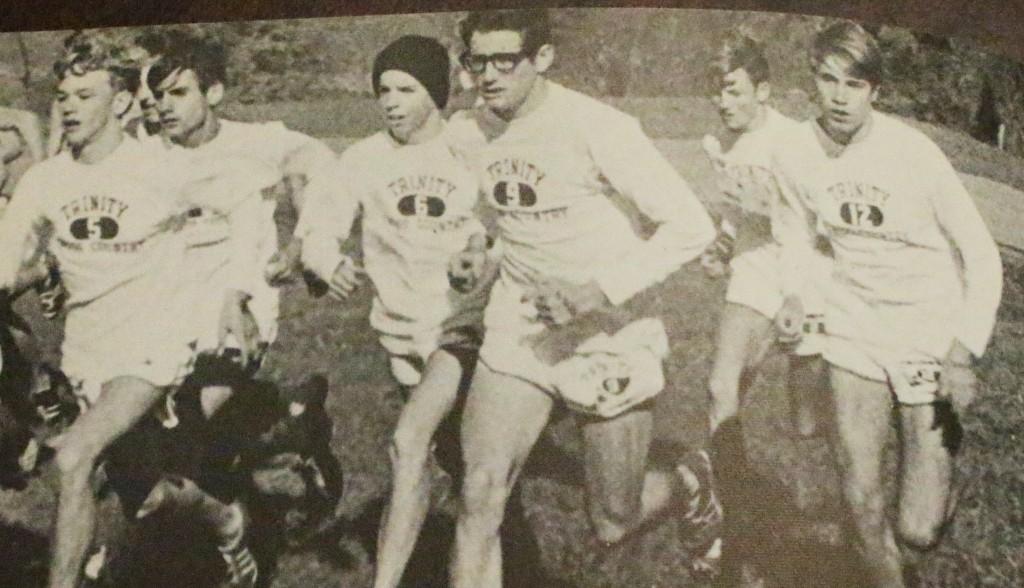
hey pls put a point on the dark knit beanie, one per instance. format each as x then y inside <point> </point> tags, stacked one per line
<point>421,57</point>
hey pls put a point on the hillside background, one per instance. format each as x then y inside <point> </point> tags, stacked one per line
<point>607,52</point>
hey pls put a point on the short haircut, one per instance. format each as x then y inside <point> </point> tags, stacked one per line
<point>741,52</point>
<point>86,52</point>
<point>181,51</point>
<point>152,42</point>
<point>850,42</point>
<point>533,25</point>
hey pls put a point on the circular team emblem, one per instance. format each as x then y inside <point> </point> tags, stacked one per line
<point>859,214</point>
<point>421,205</point>
<point>94,228</point>
<point>514,194</point>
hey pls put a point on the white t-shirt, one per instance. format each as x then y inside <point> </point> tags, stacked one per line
<point>118,252</point>
<point>108,219</point>
<point>914,262</point>
<point>748,184</point>
<point>551,175</point>
<point>230,229</point>
<point>415,204</point>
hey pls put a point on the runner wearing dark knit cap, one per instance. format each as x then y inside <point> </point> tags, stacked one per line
<point>415,203</point>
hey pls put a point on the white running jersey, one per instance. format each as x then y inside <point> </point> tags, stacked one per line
<point>415,204</point>
<point>915,263</point>
<point>112,231</point>
<point>551,175</point>
<point>267,144</point>
<point>230,229</point>
<point>748,185</point>
<point>109,220</point>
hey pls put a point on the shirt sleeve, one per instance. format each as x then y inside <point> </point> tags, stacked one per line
<point>982,270</point>
<point>19,222</point>
<point>794,227</point>
<point>326,219</point>
<point>636,169</point>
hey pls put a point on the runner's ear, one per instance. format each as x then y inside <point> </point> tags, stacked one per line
<point>544,57</point>
<point>214,94</point>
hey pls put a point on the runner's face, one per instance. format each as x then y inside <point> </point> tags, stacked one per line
<point>183,106</point>
<point>846,102</point>
<point>405,102</point>
<point>86,104</point>
<point>504,92</point>
<point>739,100</point>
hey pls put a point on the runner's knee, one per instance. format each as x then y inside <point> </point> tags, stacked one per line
<point>864,501</point>
<point>612,522</point>
<point>485,491</point>
<point>613,516</point>
<point>408,446</point>
<point>919,534</point>
<point>723,400</point>
<point>722,386</point>
<point>74,460</point>
<point>608,531</point>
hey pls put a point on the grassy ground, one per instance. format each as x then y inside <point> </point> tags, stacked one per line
<point>794,493</point>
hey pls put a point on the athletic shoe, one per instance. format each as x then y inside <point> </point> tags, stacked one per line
<point>701,523</point>
<point>241,565</point>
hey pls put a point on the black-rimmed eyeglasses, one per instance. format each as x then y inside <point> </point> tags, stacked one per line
<point>502,62</point>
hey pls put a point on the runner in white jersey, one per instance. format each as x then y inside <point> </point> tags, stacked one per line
<point>916,286</point>
<point>141,121</point>
<point>107,204</point>
<point>752,321</point>
<point>415,204</point>
<point>753,216</point>
<point>231,231</point>
<point>548,158</point>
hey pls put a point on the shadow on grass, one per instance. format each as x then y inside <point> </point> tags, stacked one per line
<point>166,551</point>
<point>769,541</point>
<point>25,556</point>
<point>428,565</point>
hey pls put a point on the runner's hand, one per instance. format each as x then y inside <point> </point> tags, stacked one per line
<point>237,321</point>
<point>347,277</point>
<point>789,320</point>
<point>558,301</point>
<point>284,265</point>
<point>467,266</point>
<point>958,384</point>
